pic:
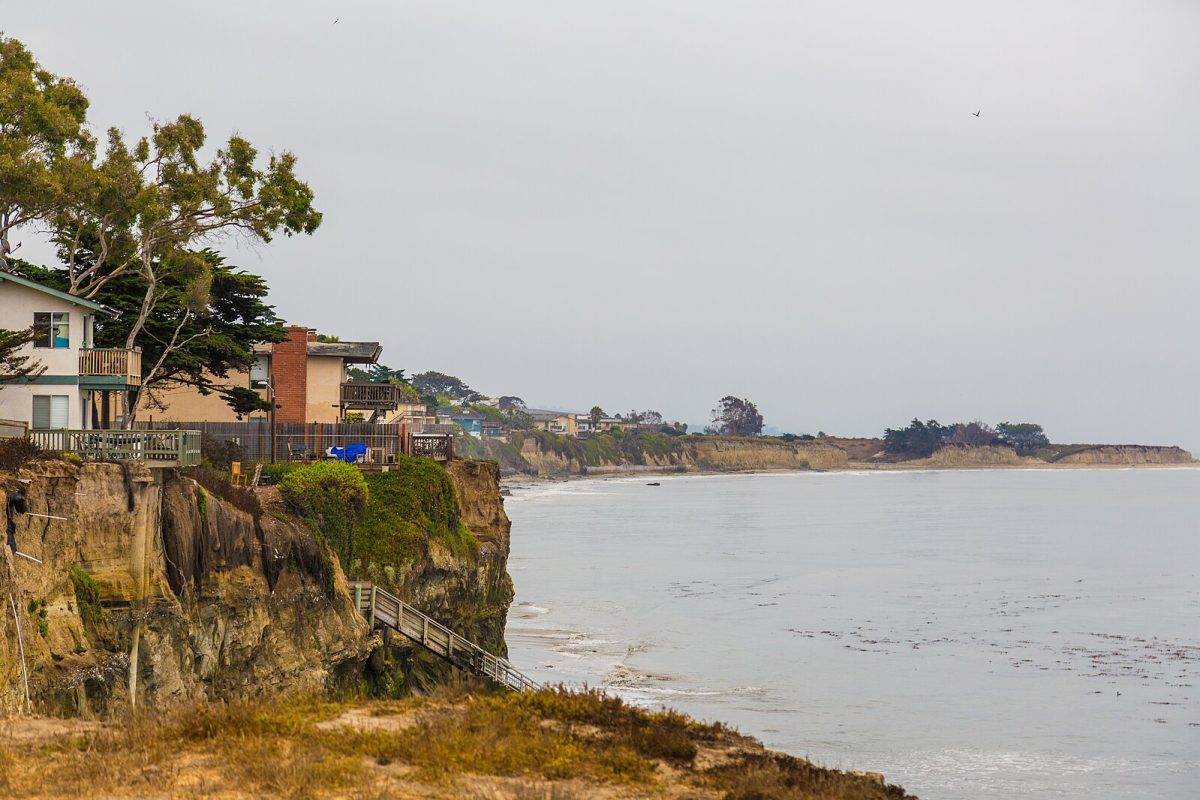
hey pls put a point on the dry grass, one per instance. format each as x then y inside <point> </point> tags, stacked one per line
<point>554,744</point>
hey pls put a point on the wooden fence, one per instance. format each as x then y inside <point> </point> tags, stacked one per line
<point>300,441</point>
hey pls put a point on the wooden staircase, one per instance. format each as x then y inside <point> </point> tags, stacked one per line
<point>383,608</point>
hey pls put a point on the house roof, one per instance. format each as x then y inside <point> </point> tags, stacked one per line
<point>468,415</point>
<point>543,414</point>
<point>352,352</point>
<point>79,301</point>
<point>355,352</point>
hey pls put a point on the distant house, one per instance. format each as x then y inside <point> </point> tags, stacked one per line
<point>584,424</point>
<point>470,422</point>
<point>306,377</point>
<point>561,422</point>
<point>413,413</point>
<point>80,385</point>
<point>492,430</point>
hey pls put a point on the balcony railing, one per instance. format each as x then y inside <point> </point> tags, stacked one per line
<point>123,365</point>
<point>370,396</point>
<point>156,448</point>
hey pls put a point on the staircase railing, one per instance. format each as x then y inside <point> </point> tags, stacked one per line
<point>383,608</point>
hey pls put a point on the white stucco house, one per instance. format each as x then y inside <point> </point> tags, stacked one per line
<point>79,385</point>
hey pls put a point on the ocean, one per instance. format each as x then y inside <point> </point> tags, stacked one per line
<point>984,633</point>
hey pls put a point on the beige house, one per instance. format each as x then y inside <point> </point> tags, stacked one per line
<point>307,379</point>
<point>412,412</point>
<point>561,422</point>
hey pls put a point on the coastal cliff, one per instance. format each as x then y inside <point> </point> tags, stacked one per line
<point>1122,455</point>
<point>206,597</point>
<point>547,455</point>
<point>111,567</point>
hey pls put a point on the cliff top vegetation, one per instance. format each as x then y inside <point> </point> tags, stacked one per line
<point>553,743</point>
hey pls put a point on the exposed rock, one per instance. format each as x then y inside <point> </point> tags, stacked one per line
<point>692,454</point>
<point>227,605</point>
<point>965,455</point>
<point>1126,454</point>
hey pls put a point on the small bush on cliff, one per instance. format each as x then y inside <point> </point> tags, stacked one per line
<point>332,496</point>
<point>87,595</point>
<point>17,452</point>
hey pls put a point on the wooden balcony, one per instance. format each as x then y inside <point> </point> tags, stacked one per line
<point>110,368</point>
<point>370,396</point>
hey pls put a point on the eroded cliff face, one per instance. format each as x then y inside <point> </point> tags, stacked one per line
<point>961,455</point>
<point>699,454</point>
<point>467,590</point>
<point>1127,454</point>
<point>221,604</point>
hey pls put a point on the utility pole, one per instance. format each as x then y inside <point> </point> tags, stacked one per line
<point>271,389</point>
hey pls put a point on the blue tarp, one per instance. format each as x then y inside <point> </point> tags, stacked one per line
<point>351,453</point>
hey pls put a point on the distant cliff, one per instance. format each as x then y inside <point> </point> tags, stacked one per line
<point>548,455</point>
<point>1119,454</point>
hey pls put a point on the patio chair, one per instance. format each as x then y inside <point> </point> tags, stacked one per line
<point>297,452</point>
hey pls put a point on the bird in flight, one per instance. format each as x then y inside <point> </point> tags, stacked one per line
<point>336,21</point>
<point>975,114</point>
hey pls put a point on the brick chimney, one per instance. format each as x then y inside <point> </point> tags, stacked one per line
<point>289,375</point>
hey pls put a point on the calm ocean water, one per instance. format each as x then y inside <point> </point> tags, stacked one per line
<point>983,634</point>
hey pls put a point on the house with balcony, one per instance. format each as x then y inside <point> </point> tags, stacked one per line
<point>82,384</point>
<point>304,377</point>
<point>560,422</point>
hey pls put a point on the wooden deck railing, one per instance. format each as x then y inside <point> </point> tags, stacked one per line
<point>111,362</point>
<point>370,395</point>
<point>158,448</point>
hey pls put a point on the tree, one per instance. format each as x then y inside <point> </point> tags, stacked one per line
<point>377,373</point>
<point>595,415</point>
<point>649,417</point>
<point>43,142</point>
<point>736,417</point>
<point>918,440</point>
<point>224,313</point>
<point>511,404</point>
<point>1024,437</point>
<point>14,365</point>
<point>144,210</point>
<point>975,433</point>
<point>434,384</point>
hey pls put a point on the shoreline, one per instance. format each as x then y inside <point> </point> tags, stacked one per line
<point>639,470</point>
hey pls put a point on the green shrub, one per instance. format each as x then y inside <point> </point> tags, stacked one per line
<point>218,454</point>
<point>272,474</point>
<point>87,595</point>
<point>410,505</point>
<point>332,496</point>
<point>37,610</point>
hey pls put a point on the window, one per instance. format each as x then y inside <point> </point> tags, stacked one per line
<point>51,329</point>
<point>50,411</point>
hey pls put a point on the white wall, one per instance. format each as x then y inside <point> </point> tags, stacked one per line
<point>17,307</point>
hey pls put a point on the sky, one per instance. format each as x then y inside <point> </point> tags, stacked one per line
<point>656,204</point>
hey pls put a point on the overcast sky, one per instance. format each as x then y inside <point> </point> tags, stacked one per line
<point>652,205</point>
